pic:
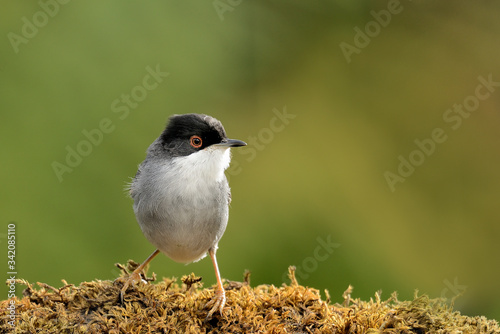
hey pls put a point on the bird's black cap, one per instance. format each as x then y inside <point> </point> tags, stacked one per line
<point>189,133</point>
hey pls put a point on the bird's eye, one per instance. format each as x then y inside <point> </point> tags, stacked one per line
<point>195,141</point>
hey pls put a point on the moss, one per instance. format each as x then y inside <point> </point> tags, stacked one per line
<point>170,307</point>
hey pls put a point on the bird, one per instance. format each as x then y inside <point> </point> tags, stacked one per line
<point>181,194</point>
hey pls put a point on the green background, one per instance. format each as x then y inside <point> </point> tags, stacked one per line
<point>320,176</point>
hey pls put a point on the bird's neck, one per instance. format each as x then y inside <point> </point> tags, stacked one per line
<point>208,164</point>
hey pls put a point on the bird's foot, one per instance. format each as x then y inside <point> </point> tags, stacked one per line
<point>217,303</point>
<point>131,280</point>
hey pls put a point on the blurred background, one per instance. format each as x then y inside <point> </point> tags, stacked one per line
<point>345,175</point>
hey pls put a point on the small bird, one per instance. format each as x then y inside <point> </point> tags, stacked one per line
<point>181,194</point>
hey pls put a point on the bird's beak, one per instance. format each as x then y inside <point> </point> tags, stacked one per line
<point>231,143</point>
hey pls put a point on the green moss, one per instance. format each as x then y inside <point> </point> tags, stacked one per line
<point>169,307</point>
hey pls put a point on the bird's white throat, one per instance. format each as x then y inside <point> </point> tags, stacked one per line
<point>208,164</point>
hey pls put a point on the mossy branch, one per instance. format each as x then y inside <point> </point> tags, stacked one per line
<point>167,307</point>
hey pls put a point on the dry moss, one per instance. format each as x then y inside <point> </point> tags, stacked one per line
<point>169,307</point>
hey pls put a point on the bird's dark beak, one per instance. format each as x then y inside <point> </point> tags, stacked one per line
<point>231,143</point>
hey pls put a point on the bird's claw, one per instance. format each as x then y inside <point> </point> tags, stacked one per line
<point>133,278</point>
<point>218,303</point>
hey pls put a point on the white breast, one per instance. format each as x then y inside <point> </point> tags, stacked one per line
<point>184,210</point>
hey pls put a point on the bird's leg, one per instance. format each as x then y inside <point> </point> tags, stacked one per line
<point>135,276</point>
<point>220,296</point>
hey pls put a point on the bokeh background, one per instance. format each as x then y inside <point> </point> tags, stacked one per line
<point>317,177</point>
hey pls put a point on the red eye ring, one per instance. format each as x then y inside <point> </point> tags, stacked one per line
<point>196,141</point>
